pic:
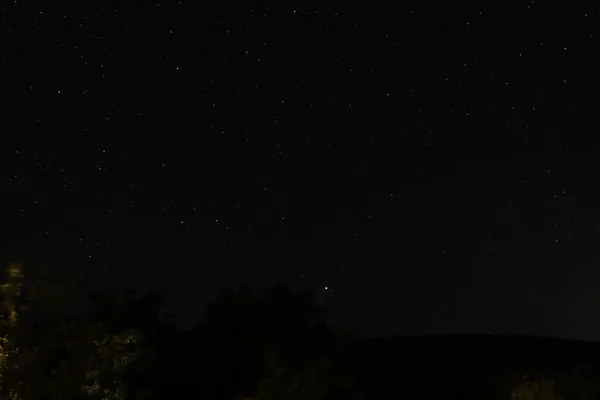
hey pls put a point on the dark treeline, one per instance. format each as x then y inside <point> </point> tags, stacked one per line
<point>276,344</point>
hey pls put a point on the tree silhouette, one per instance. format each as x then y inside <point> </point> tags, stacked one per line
<point>254,343</point>
<point>272,345</point>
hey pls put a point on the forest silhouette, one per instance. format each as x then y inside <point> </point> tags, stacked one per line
<point>275,344</point>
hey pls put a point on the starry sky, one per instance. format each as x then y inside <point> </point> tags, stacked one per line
<point>431,169</point>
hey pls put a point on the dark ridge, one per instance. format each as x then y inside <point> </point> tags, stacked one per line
<point>463,365</point>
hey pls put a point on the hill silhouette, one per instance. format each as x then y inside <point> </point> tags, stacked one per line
<point>464,366</point>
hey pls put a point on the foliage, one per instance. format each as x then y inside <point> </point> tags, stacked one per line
<point>82,358</point>
<point>542,388</point>
<point>271,337</point>
<point>9,346</point>
<point>311,382</point>
<point>113,354</point>
<point>570,384</point>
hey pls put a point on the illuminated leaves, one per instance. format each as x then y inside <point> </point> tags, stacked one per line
<point>535,389</point>
<point>9,350</point>
<point>40,358</point>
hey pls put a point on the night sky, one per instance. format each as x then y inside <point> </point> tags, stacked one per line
<point>430,168</point>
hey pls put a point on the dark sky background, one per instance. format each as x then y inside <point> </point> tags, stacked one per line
<point>430,168</point>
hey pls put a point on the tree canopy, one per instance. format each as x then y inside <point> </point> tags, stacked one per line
<point>247,344</point>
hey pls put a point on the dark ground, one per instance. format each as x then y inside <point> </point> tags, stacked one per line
<point>463,366</point>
